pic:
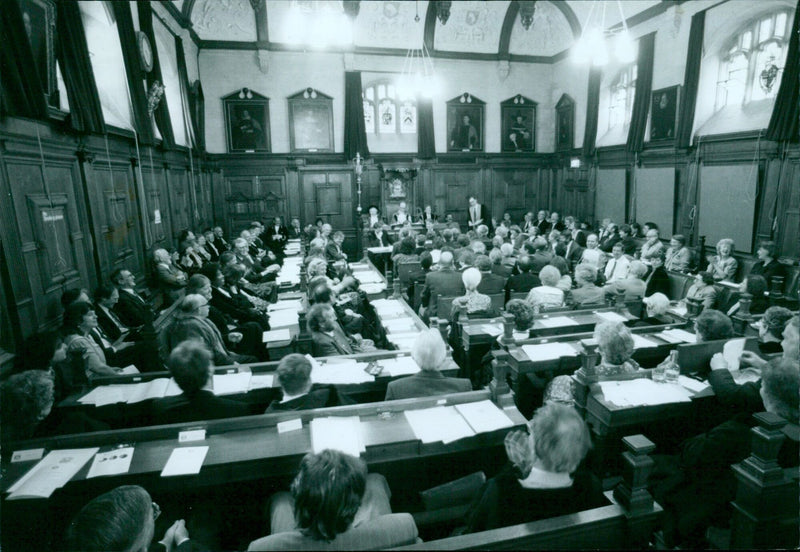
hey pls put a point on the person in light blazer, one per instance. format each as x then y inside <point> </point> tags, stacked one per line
<point>678,255</point>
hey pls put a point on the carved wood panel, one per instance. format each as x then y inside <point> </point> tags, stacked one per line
<point>329,195</point>
<point>515,191</point>
<point>251,198</point>
<point>158,217</point>
<point>454,186</point>
<point>180,201</point>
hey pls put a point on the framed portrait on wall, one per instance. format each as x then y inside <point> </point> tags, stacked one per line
<point>565,124</point>
<point>465,123</point>
<point>39,19</point>
<point>664,113</point>
<point>247,121</point>
<point>310,121</point>
<point>519,124</point>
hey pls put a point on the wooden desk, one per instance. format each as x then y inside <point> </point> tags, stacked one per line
<point>366,267</point>
<point>408,312</point>
<point>246,449</point>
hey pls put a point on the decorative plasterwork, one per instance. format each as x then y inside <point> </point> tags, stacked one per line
<point>473,26</point>
<point>230,20</point>
<point>549,34</point>
<point>390,25</point>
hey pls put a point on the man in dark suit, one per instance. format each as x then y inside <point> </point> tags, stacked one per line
<point>657,280</point>
<point>212,248</point>
<point>430,354</point>
<point>574,229</point>
<point>131,308</point>
<point>555,222</point>
<point>276,237</point>
<point>491,284</point>
<point>380,237</point>
<point>445,282</point>
<point>572,253</point>
<point>541,255</point>
<point>477,214</point>
<point>524,281</point>
<point>328,337</point>
<point>191,367</point>
<point>542,223</point>
<point>333,251</point>
<point>294,377</point>
<point>220,240</point>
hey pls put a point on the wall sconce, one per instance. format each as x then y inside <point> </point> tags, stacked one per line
<point>443,10</point>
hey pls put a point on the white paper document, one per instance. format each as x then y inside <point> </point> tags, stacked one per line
<point>173,389</point>
<point>341,373</point>
<point>388,306</point>
<point>283,319</point>
<point>640,342</point>
<point>731,351</point>
<point>484,416</point>
<point>549,351</point>
<point>276,335</point>
<point>128,371</point>
<point>368,277</point>
<point>680,335</point>
<point>441,423</point>
<point>611,316</point>
<point>643,392</point>
<point>491,329</point>
<point>370,289</point>
<point>376,250</point>
<point>557,322</point>
<point>261,381</point>
<point>153,389</point>
<point>230,384</point>
<point>106,394</point>
<point>668,337</point>
<point>335,433</point>
<point>53,472</point>
<point>185,461</point>
<point>112,462</point>
<point>692,384</point>
<point>399,366</point>
<point>294,304</point>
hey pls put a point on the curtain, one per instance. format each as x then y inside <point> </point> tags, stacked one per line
<point>183,78</point>
<point>161,114</point>
<point>86,112</point>
<point>691,80</point>
<point>641,96</point>
<point>592,110</point>
<point>22,88</point>
<point>355,133</point>
<point>198,104</point>
<point>783,125</point>
<point>426,144</point>
<point>130,53</point>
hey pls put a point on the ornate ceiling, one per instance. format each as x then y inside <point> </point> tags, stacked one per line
<point>475,27</point>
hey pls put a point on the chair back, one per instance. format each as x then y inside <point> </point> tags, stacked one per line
<point>409,272</point>
<point>498,301</point>
<point>443,306</point>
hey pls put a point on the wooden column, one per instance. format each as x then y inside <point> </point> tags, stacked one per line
<point>742,317</point>
<point>586,374</point>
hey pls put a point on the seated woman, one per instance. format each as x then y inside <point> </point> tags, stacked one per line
<point>651,247</point>
<point>712,325</point>
<point>430,353</point>
<point>191,322</point>
<point>770,329</point>
<point>78,321</point>
<point>756,286</point>
<point>123,520</point>
<point>656,307</point>
<point>767,264</point>
<point>586,294</point>
<point>407,254</point>
<point>700,483</point>
<point>678,256</point>
<point>334,504</point>
<point>543,479</point>
<point>472,301</point>
<point>722,266</point>
<point>632,286</point>
<point>703,290</point>
<point>615,345</point>
<point>547,296</point>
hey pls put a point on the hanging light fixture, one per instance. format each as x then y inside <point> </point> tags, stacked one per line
<point>526,10</point>
<point>417,77</point>
<point>592,46</point>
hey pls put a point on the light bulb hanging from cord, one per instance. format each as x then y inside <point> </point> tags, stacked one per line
<point>592,48</point>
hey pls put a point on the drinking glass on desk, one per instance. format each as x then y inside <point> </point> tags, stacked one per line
<point>659,373</point>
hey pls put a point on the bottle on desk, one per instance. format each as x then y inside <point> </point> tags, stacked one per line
<point>668,371</point>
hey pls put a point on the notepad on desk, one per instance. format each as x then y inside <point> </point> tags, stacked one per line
<point>484,416</point>
<point>611,316</point>
<point>103,395</point>
<point>441,423</point>
<point>370,289</point>
<point>230,384</point>
<point>153,389</point>
<point>549,351</point>
<point>556,322</point>
<point>52,472</point>
<point>276,335</point>
<point>643,392</point>
<point>399,366</point>
<point>340,373</point>
<point>681,335</point>
<point>337,433</point>
<point>640,342</point>
<point>261,381</point>
<point>732,351</point>
<point>112,462</point>
<point>185,461</point>
<point>692,384</point>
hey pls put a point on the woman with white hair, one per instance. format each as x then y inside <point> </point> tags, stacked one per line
<point>543,478</point>
<point>615,345</point>
<point>587,294</point>
<point>547,296</point>
<point>471,301</point>
<point>430,353</point>
<point>723,265</point>
<point>656,305</point>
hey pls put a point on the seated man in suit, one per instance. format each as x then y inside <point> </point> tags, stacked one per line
<point>169,277</point>
<point>491,284</point>
<point>276,236</point>
<point>335,505</point>
<point>445,282</point>
<point>294,377</point>
<point>191,367</point>
<point>131,308</point>
<point>525,280</point>
<point>430,353</point>
<point>328,337</point>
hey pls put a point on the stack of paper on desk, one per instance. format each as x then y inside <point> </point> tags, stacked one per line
<point>371,289</point>
<point>549,351</point>
<point>678,336</point>
<point>261,381</point>
<point>692,384</point>
<point>557,322</point>
<point>611,316</point>
<point>153,389</point>
<point>106,394</point>
<point>640,342</point>
<point>643,392</point>
<point>231,384</point>
<point>399,325</point>
<point>342,434</point>
<point>368,277</point>
<point>491,329</point>
<point>276,335</point>
<point>399,366</point>
<point>283,319</point>
<point>377,250</point>
<point>294,304</point>
<point>441,423</point>
<point>52,472</point>
<point>341,373</point>
<point>484,416</point>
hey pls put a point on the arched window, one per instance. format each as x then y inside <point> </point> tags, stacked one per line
<point>621,94</point>
<point>749,68</point>
<point>386,112</point>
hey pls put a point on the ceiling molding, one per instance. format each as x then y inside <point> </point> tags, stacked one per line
<point>188,5</point>
<point>176,15</point>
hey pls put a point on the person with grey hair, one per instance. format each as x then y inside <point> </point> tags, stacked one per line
<point>192,369</point>
<point>770,329</point>
<point>547,296</point>
<point>656,307</point>
<point>430,353</point>
<point>592,254</point>
<point>632,286</point>
<point>587,293</point>
<point>677,257</point>
<point>171,280</point>
<point>615,345</point>
<point>651,247</point>
<point>472,300</point>
<point>445,282</point>
<point>498,266</point>
<point>712,325</point>
<point>542,478</point>
<point>723,265</point>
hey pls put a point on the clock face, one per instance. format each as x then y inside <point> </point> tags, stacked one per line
<point>145,52</point>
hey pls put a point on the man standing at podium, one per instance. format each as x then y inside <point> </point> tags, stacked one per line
<point>478,214</point>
